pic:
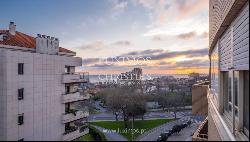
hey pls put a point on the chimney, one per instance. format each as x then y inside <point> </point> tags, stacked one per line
<point>12,28</point>
<point>39,35</point>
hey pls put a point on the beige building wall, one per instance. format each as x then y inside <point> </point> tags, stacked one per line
<point>43,88</point>
<point>199,99</point>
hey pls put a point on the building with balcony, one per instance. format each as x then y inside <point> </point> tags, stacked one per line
<point>228,94</point>
<point>41,98</point>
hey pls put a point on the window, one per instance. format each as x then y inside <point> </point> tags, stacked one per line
<point>226,90</point>
<point>67,69</point>
<point>21,139</point>
<point>67,107</point>
<point>215,71</point>
<point>20,94</point>
<point>67,89</point>
<point>246,103</point>
<point>236,79</point>
<point>20,68</point>
<point>20,119</point>
<point>231,92</point>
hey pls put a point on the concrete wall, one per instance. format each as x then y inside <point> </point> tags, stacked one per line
<point>43,88</point>
<point>199,99</point>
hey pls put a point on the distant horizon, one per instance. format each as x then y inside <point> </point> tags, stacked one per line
<point>154,74</point>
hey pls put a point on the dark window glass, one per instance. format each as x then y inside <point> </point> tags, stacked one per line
<point>67,89</point>
<point>230,87</point>
<point>236,81</point>
<point>20,68</point>
<point>67,107</point>
<point>20,94</point>
<point>67,69</point>
<point>229,107</point>
<point>20,119</point>
<point>225,88</point>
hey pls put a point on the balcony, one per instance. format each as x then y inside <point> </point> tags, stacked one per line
<point>76,96</point>
<point>75,133</point>
<point>74,115</point>
<point>201,133</point>
<point>74,78</point>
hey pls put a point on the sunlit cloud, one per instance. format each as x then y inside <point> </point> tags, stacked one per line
<point>159,60</point>
<point>173,33</point>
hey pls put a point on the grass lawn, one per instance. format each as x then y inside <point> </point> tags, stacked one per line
<point>87,137</point>
<point>140,126</point>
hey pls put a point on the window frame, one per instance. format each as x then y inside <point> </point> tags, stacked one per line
<point>20,120</point>
<point>229,113</point>
<point>21,96</point>
<point>20,68</point>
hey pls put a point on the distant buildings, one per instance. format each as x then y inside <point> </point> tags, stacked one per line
<point>131,78</point>
<point>228,94</point>
<point>40,97</point>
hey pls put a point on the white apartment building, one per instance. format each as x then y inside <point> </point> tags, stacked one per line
<point>228,95</point>
<point>40,98</point>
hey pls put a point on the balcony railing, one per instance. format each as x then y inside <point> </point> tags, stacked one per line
<point>74,78</point>
<point>74,115</point>
<point>76,96</point>
<point>74,134</point>
<point>201,133</point>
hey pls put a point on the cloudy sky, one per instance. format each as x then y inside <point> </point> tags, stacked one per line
<point>160,36</point>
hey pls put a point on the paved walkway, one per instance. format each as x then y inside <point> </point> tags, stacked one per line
<point>111,136</point>
<point>153,134</point>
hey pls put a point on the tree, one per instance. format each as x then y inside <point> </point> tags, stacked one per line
<point>172,87</point>
<point>137,106</point>
<point>113,103</point>
<point>129,102</point>
<point>163,101</point>
<point>175,102</point>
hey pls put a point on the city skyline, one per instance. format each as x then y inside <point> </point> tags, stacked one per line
<point>174,34</point>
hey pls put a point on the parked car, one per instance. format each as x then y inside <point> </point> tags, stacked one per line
<point>163,137</point>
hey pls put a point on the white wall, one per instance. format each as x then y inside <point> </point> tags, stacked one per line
<point>234,43</point>
<point>43,88</point>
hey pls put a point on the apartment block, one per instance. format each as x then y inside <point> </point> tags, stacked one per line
<point>40,94</point>
<point>228,93</point>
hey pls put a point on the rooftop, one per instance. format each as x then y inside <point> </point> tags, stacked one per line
<point>24,40</point>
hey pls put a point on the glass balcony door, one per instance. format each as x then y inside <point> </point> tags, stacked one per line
<point>231,96</point>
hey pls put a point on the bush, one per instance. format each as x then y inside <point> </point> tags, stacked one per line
<point>73,111</point>
<point>97,135</point>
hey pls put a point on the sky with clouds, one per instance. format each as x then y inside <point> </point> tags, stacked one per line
<point>160,36</point>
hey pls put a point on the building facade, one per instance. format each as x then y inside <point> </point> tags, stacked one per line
<point>228,95</point>
<point>40,98</point>
<point>199,99</point>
